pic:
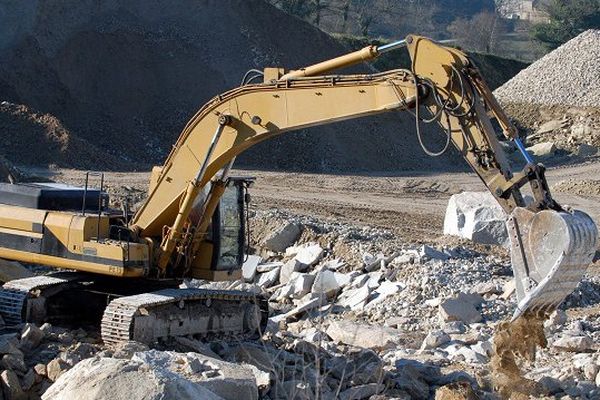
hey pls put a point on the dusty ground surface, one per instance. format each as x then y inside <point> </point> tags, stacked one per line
<point>412,206</point>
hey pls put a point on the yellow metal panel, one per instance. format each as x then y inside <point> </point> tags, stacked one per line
<point>58,225</point>
<point>22,218</point>
<point>61,262</point>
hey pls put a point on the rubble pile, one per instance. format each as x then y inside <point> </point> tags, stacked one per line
<point>432,308</point>
<point>559,130</point>
<point>567,76</point>
<point>353,313</point>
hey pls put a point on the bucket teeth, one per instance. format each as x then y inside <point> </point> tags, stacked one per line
<point>550,252</point>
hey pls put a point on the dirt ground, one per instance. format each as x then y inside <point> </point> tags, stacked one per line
<point>412,205</point>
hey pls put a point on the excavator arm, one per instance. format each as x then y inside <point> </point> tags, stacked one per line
<point>550,247</point>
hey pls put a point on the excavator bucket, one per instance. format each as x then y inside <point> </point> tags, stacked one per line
<point>550,252</point>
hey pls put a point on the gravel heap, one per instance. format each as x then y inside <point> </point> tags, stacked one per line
<point>568,76</point>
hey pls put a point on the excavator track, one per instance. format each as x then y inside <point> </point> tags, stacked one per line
<point>149,317</point>
<point>23,300</point>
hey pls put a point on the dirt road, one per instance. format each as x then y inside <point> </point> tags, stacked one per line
<point>412,206</point>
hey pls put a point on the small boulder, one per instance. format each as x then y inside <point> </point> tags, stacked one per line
<point>385,290</point>
<point>355,299</point>
<point>282,238</point>
<point>435,339</point>
<point>309,254</point>
<point>56,368</point>
<point>361,391</point>
<point>11,387</point>
<point>577,344</point>
<point>459,310</point>
<point>329,282</point>
<point>249,267</point>
<point>268,279</point>
<point>301,284</point>
<point>31,336</point>
<point>363,335</point>
<point>431,253</point>
<point>289,268</point>
<point>542,150</point>
<point>552,125</point>
<point>14,362</point>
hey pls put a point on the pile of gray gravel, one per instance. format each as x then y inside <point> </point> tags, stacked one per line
<point>568,76</point>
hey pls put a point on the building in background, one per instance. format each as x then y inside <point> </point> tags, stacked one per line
<point>526,10</point>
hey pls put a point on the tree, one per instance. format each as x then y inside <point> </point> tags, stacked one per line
<point>567,19</point>
<point>480,33</point>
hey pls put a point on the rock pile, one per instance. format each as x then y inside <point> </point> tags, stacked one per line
<point>567,76</point>
<point>353,314</point>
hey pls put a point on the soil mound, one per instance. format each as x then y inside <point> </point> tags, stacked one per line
<point>29,137</point>
<point>568,76</point>
<point>123,78</point>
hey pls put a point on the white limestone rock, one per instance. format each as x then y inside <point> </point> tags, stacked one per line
<point>459,309</point>
<point>435,339</point>
<point>542,150</point>
<point>575,343</point>
<point>363,335</point>
<point>329,283</point>
<point>282,238</point>
<point>309,254</point>
<point>249,267</point>
<point>476,216</point>
<point>268,279</point>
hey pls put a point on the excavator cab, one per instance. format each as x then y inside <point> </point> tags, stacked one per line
<point>222,253</point>
<point>229,226</point>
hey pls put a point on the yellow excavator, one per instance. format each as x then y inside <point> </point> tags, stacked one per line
<point>193,223</point>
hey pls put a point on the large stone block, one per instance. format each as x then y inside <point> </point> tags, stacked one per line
<point>154,375</point>
<point>476,216</point>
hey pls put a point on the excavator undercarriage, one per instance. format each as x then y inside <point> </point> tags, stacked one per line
<point>193,224</point>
